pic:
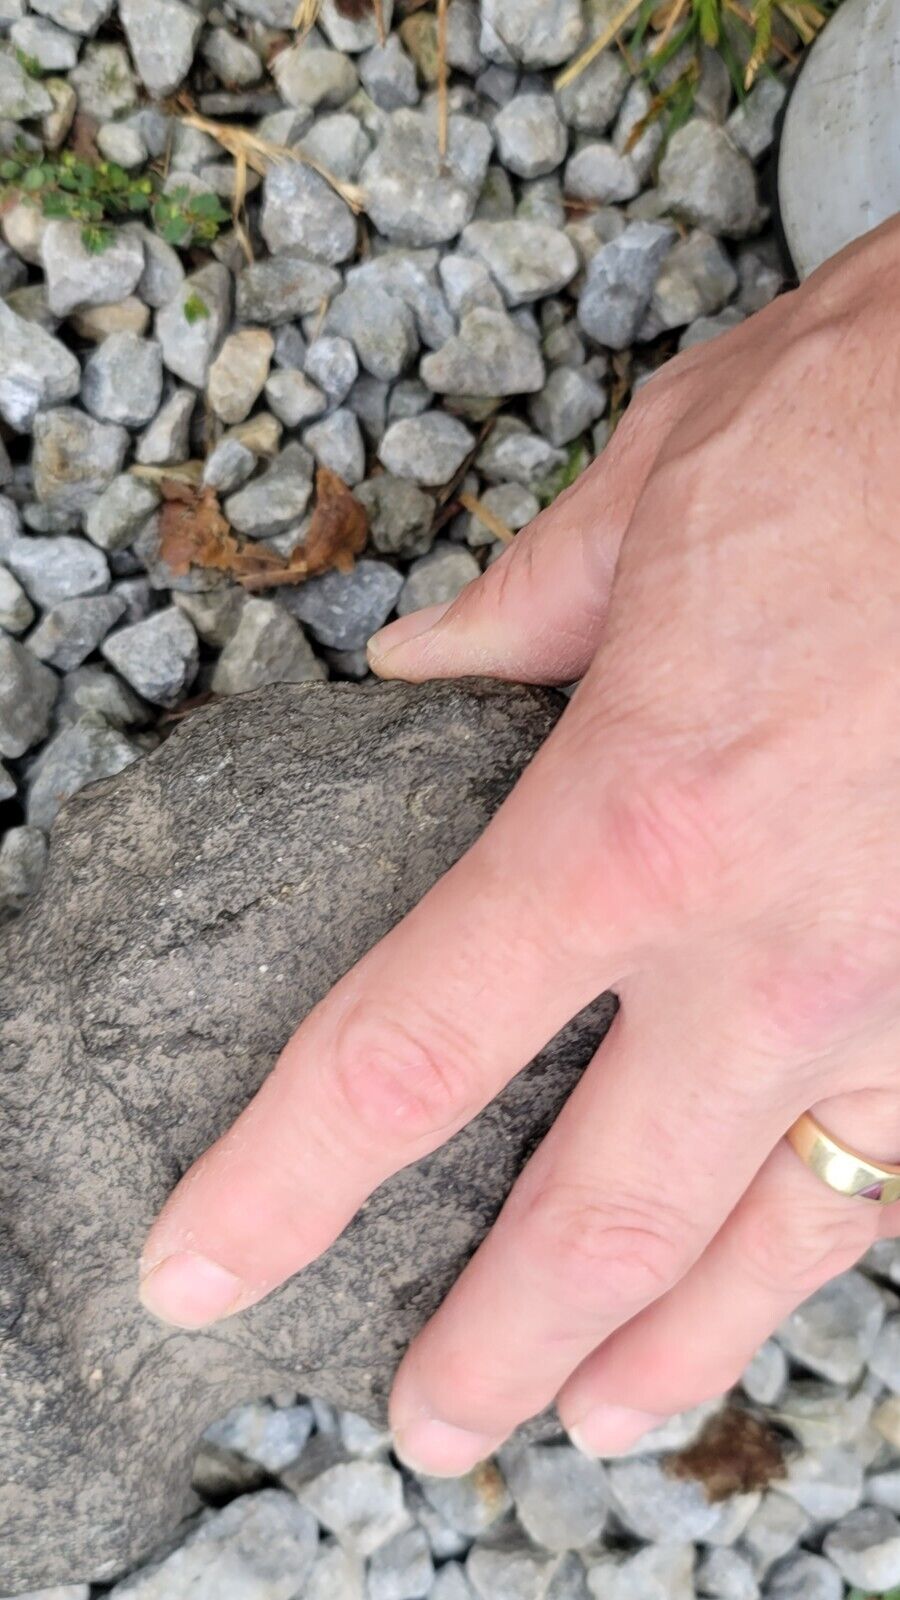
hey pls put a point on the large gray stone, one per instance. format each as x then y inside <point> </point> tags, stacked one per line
<point>79,277</point>
<point>191,327</point>
<point>413,194</point>
<point>620,281</point>
<point>35,369</point>
<point>491,355</point>
<point>162,36</point>
<point>259,1548</point>
<point>707,180</point>
<point>539,33</point>
<point>75,458</point>
<point>528,259</point>
<point>27,692</point>
<point>301,211</point>
<point>129,1051</point>
<point>80,754</point>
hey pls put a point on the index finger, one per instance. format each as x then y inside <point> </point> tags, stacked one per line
<point>522,933</point>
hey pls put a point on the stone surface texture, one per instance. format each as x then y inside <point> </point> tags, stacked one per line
<point>153,895</point>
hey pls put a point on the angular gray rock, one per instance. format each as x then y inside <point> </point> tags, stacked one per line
<point>428,449</point>
<point>158,656</point>
<point>22,97</point>
<point>238,374</point>
<point>569,403</point>
<point>165,442</point>
<point>283,287</point>
<point>402,1569</point>
<point>659,1572</point>
<point>277,499</point>
<point>343,609</point>
<point>79,755</point>
<point>528,260</point>
<point>162,36</point>
<point>69,633</point>
<point>415,196</point>
<point>302,212</point>
<point>117,515</point>
<point>76,276</point>
<point>122,380</point>
<point>35,369</point>
<point>559,1495</point>
<point>598,173</point>
<point>308,75</point>
<point>491,355</point>
<point>57,568</point>
<point>104,81</point>
<point>834,1331</point>
<point>267,646</point>
<point>23,854</point>
<point>531,138</point>
<point>695,280</point>
<point>620,280</point>
<point>28,690</point>
<point>590,103</point>
<point>191,327</point>
<point>865,1548</point>
<point>437,577</point>
<point>360,1502</point>
<point>294,398</point>
<point>380,327</point>
<point>337,443</point>
<point>539,33</point>
<point>82,16</point>
<point>389,75</point>
<point>707,180</point>
<point>400,515</point>
<point>332,365</point>
<point>259,1548</point>
<point>74,458</point>
<point>752,123</point>
<point>124,1122</point>
<point>16,610</point>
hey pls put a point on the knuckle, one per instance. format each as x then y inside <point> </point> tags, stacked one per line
<point>395,1084</point>
<point>799,1253</point>
<point>598,1253</point>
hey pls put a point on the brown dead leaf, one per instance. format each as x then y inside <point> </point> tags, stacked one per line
<point>194,532</point>
<point>83,136</point>
<point>733,1454</point>
<point>339,526</point>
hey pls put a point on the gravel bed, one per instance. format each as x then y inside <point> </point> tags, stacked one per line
<point>476,328</point>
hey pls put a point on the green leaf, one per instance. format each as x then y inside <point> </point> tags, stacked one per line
<point>29,64</point>
<point>208,205</point>
<point>96,239</point>
<point>10,171</point>
<point>708,17</point>
<point>175,230</point>
<point>195,309</point>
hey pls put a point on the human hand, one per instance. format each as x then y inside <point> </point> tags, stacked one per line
<point>711,830</point>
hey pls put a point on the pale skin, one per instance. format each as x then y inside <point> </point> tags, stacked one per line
<point>712,831</point>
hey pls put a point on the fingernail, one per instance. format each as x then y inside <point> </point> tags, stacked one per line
<point>404,630</point>
<point>190,1291</point>
<point>439,1449</point>
<point>611,1430</point>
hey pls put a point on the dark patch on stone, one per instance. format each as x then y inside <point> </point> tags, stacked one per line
<point>194,909</point>
<point>735,1453</point>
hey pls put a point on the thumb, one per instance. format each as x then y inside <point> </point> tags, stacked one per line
<point>535,615</point>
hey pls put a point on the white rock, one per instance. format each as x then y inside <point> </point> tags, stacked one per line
<point>261,1547</point>
<point>78,277</point>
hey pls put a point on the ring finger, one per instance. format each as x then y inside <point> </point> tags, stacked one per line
<point>789,1235</point>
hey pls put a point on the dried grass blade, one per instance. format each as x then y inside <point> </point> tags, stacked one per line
<point>443,100</point>
<point>595,48</point>
<point>260,154</point>
<point>487,517</point>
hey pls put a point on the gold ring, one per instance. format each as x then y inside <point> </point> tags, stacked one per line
<point>843,1169</point>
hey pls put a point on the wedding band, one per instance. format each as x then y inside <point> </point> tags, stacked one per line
<point>843,1169</point>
